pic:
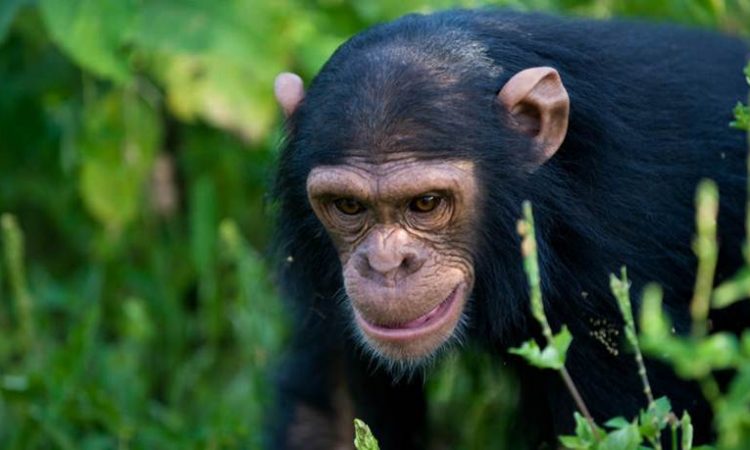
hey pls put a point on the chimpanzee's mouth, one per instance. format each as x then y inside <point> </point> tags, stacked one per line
<point>423,324</point>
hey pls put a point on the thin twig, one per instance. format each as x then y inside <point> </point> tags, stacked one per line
<point>578,399</point>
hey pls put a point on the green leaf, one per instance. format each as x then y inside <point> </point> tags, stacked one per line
<point>92,33</point>
<point>617,422</point>
<point>655,418</point>
<point>720,351</point>
<point>118,145</point>
<point>654,323</point>
<point>695,359</point>
<point>741,117</point>
<point>363,438</point>
<point>686,432</point>
<point>574,443</point>
<point>733,290</point>
<point>196,27</point>
<point>626,438</point>
<point>216,63</point>
<point>660,408</point>
<point>733,415</point>
<point>109,193</point>
<point>584,438</point>
<point>583,428</point>
<point>552,357</point>
<point>562,341</point>
<point>224,94</point>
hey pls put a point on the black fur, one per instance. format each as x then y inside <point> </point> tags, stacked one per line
<point>650,106</point>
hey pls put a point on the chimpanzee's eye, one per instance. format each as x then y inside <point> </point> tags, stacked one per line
<point>425,203</point>
<point>348,206</point>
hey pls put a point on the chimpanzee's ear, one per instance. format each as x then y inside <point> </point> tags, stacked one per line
<point>539,106</point>
<point>289,91</point>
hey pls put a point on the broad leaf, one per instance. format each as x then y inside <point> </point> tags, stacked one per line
<point>118,144</point>
<point>92,32</point>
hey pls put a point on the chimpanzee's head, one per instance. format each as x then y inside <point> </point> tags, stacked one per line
<point>394,133</point>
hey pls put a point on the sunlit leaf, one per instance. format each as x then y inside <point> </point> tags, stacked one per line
<point>552,357</point>
<point>655,418</point>
<point>733,290</point>
<point>654,323</point>
<point>222,93</point>
<point>617,422</point>
<point>118,145</point>
<point>92,32</point>
<point>625,438</point>
<point>363,438</point>
<point>686,431</point>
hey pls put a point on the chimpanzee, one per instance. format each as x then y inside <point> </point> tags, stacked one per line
<point>400,185</point>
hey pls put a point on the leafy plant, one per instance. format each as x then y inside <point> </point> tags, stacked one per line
<point>136,142</point>
<point>742,112</point>
<point>623,434</point>
<point>363,438</point>
<point>697,356</point>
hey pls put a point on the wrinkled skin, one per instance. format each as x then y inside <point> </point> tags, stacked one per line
<point>408,270</point>
<point>404,237</point>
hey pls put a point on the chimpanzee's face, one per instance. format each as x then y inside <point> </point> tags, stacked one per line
<point>403,231</point>
<point>404,226</point>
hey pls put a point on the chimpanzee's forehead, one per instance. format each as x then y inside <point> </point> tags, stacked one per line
<point>388,100</point>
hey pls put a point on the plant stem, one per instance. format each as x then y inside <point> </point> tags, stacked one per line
<point>578,399</point>
<point>706,250</point>
<point>531,266</point>
<point>621,289</point>
<point>14,256</point>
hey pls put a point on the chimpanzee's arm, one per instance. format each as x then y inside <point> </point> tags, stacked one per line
<point>395,411</point>
<point>325,382</point>
<point>306,416</point>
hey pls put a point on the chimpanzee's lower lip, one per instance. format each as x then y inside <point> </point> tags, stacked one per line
<point>424,324</point>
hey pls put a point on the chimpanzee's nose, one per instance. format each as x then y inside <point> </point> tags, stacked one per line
<point>389,255</point>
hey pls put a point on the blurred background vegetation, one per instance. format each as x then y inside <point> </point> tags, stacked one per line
<point>137,139</point>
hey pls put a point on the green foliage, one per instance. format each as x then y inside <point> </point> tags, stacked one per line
<point>136,142</point>
<point>700,355</point>
<point>733,290</point>
<point>14,252</point>
<point>624,434</point>
<point>587,435</point>
<point>742,112</point>
<point>741,117</point>
<point>118,142</point>
<point>553,355</point>
<point>92,33</point>
<point>363,438</point>
<point>696,357</point>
